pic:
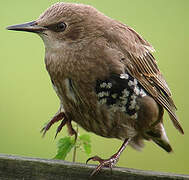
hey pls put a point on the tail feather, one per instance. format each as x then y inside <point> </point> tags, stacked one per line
<point>176,123</point>
<point>158,135</point>
<point>165,145</point>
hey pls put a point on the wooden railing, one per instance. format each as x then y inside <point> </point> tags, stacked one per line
<point>25,168</point>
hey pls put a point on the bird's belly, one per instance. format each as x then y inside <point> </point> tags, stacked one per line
<point>108,110</point>
<point>108,123</point>
<point>100,119</point>
<point>94,116</point>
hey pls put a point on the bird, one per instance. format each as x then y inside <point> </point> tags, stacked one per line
<point>105,76</point>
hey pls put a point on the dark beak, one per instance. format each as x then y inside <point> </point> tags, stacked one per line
<point>29,27</point>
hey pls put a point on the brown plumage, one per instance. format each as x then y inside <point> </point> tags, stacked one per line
<point>105,76</point>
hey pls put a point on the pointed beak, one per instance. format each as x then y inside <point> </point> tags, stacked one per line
<point>28,27</point>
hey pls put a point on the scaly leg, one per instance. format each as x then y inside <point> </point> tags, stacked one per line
<point>108,162</point>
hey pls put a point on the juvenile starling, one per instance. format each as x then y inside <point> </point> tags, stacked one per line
<point>105,76</point>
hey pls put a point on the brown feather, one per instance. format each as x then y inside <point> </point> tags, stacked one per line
<point>142,65</point>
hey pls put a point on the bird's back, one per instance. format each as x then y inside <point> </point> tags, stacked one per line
<point>141,64</point>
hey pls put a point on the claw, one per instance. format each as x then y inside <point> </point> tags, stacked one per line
<point>103,162</point>
<point>63,122</point>
<point>59,116</point>
<point>94,158</point>
<point>108,162</point>
<point>55,119</point>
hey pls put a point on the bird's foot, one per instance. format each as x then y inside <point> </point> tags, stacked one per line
<point>104,162</point>
<point>59,116</point>
<point>108,162</point>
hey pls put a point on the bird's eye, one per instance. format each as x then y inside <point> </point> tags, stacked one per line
<point>60,27</point>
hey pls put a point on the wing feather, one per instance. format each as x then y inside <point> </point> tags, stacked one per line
<point>142,65</point>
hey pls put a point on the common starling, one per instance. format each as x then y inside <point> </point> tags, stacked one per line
<point>105,76</point>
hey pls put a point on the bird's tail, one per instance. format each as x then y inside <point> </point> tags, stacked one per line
<point>158,135</point>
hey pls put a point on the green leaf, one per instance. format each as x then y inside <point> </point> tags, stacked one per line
<point>85,138</point>
<point>86,143</point>
<point>64,147</point>
<point>87,148</point>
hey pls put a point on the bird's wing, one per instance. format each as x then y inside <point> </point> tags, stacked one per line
<point>142,65</point>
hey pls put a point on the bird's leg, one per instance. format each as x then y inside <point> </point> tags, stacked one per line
<point>108,162</point>
<point>58,116</point>
<point>71,130</point>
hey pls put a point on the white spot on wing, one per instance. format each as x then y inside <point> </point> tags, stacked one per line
<point>125,93</point>
<point>135,82</point>
<point>103,93</point>
<point>114,96</point>
<point>100,94</point>
<point>124,76</point>
<point>124,102</point>
<point>103,85</point>
<point>109,85</point>
<point>132,104</point>
<point>134,116</point>
<point>103,101</point>
<point>137,90</point>
<point>142,93</point>
<point>130,83</point>
<point>122,108</point>
<point>106,85</point>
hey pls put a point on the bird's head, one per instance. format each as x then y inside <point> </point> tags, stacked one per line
<point>65,23</point>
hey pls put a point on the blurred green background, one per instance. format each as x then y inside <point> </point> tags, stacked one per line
<point>27,99</point>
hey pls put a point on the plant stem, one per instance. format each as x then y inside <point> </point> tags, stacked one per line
<point>75,148</point>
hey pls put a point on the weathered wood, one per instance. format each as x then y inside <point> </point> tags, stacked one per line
<point>15,167</point>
